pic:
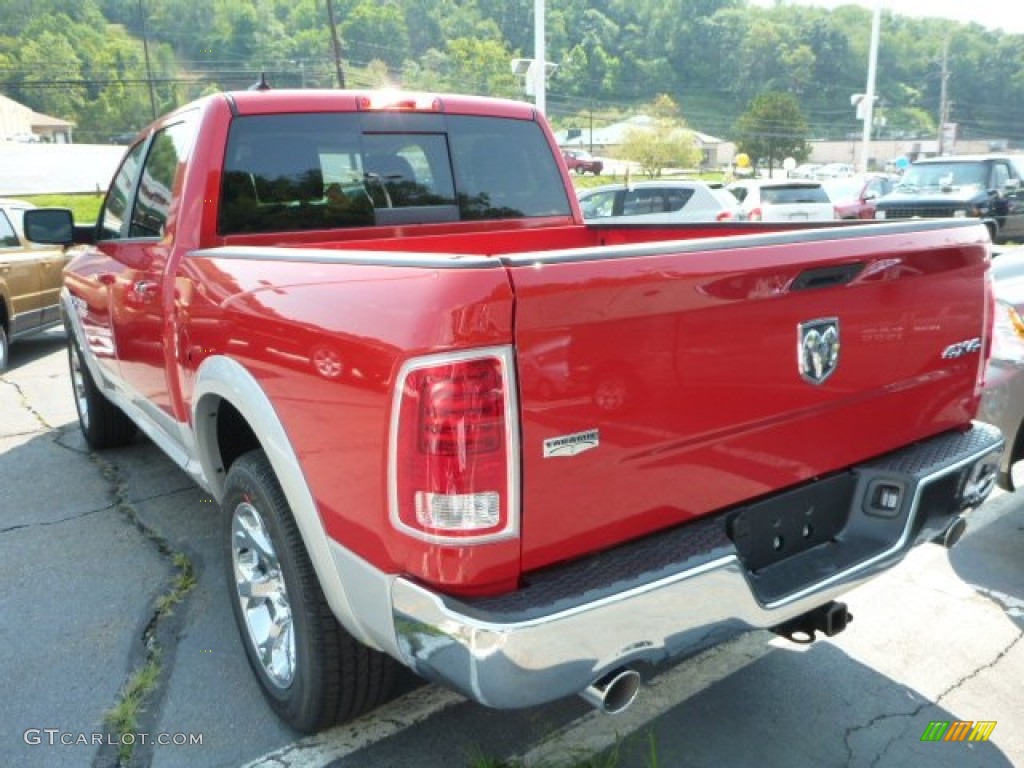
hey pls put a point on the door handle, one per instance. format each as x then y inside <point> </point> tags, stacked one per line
<point>145,289</point>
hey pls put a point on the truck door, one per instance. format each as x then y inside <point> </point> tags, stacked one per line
<point>97,282</point>
<point>144,300</point>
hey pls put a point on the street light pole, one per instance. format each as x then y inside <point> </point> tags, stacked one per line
<point>539,70</point>
<point>869,96</point>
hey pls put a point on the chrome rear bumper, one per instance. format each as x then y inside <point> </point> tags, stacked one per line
<point>683,590</point>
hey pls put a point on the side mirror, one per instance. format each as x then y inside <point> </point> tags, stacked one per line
<point>52,226</point>
<point>1012,185</point>
<point>871,194</point>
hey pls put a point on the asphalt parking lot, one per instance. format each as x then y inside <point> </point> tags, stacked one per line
<point>110,564</point>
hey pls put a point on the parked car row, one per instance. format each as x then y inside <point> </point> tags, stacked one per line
<point>986,187</point>
<point>669,201</point>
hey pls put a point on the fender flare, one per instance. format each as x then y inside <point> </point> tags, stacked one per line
<point>222,379</point>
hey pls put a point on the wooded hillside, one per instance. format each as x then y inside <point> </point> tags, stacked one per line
<point>84,60</point>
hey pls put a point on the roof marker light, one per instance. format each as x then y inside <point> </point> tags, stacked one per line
<point>390,99</point>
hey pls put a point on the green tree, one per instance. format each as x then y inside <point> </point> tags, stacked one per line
<point>376,31</point>
<point>773,128</point>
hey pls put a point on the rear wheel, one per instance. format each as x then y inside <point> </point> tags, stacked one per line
<point>103,424</point>
<point>312,672</point>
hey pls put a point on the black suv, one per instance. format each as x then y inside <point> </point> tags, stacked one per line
<point>986,187</point>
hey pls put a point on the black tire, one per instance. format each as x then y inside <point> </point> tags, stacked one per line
<point>103,424</point>
<point>5,348</point>
<point>322,675</point>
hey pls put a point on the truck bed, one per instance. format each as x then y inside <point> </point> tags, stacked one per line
<point>677,350</point>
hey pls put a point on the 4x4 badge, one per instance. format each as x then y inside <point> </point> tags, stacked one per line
<point>818,349</point>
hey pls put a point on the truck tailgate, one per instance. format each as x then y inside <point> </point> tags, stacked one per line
<point>662,382</point>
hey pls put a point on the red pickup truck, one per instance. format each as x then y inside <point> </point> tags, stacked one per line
<point>451,425</point>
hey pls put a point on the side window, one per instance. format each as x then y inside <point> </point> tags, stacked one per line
<point>677,198</point>
<point>167,152</point>
<point>115,207</point>
<point>8,238</point>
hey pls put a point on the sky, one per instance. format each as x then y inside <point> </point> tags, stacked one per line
<point>1004,15</point>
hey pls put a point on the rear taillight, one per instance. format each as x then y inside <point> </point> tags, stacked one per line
<point>453,461</point>
<point>724,216</point>
<point>755,214</point>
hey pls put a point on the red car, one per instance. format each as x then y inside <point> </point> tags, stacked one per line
<point>854,196</point>
<point>581,161</point>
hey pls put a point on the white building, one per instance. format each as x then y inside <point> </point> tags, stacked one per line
<point>717,152</point>
<point>17,120</point>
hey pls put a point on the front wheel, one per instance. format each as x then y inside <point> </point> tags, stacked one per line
<point>4,348</point>
<point>103,424</point>
<point>312,672</point>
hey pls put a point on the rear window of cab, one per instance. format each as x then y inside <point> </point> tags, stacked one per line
<point>322,171</point>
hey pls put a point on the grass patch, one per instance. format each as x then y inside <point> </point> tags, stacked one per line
<point>123,717</point>
<point>183,582</point>
<point>85,207</point>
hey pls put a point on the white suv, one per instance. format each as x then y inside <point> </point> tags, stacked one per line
<point>782,200</point>
<point>658,202</point>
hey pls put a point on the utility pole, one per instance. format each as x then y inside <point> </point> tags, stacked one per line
<point>149,68</point>
<point>944,99</point>
<point>336,44</point>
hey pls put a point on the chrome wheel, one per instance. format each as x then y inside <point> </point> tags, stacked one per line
<point>78,383</point>
<point>262,595</point>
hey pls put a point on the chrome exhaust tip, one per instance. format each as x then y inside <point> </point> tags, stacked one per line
<point>954,532</point>
<point>614,692</point>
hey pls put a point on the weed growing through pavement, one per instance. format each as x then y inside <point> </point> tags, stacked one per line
<point>123,717</point>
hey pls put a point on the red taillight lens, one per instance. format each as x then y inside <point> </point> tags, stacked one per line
<point>755,214</point>
<point>451,449</point>
<point>724,216</point>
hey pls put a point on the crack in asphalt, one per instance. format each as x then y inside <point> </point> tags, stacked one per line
<point>851,731</point>
<point>61,521</point>
<point>86,513</point>
<point>157,646</point>
<point>27,405</point>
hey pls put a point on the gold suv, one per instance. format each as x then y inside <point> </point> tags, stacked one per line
<point>30,280</point>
